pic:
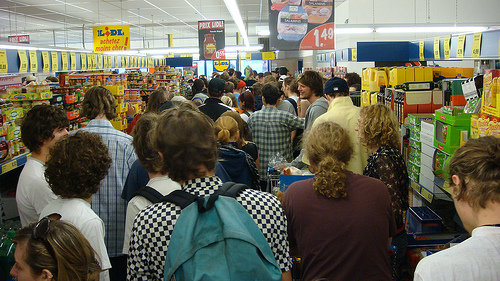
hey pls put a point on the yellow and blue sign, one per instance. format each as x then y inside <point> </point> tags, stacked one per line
<point>111,38</point>
<point>221,65</point>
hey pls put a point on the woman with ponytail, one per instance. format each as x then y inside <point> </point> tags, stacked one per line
<point>339,222</point>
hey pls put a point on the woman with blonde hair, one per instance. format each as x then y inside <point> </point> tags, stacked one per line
<point>339,222</point>
<point>378,130</point>
<point>244,137</point>
<point>53,250</point>
<point>239,165</point>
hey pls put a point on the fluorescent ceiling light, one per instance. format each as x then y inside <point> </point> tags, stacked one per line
<point>233,9</point>
<point>170,15</point>
<point>353,30</point>
<point>243,48</point>
<point>430,29</point>
<point>195,9</point>
<point>17,47</point>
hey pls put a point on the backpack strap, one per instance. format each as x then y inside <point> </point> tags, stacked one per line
<point>150,193</point>
<point>183,199</point>
<point>294,103</point>
<point>231,189</point>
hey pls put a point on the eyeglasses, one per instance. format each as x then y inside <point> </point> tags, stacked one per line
<point>40,233</point>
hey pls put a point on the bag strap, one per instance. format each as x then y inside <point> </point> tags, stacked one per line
<point>231,189</point>
<point>150,193</point>
<point>294,103</point>
<point>180,198</point>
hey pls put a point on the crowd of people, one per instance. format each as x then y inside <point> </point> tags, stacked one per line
<point>92,202</point>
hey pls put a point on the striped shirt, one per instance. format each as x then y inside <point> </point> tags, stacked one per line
<point>272,131</point>
<point>107,202</point>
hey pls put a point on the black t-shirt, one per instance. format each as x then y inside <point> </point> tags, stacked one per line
<point>214,108</point>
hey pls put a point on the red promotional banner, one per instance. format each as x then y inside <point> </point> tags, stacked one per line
<point>320,38</point>
<point>211,40</point>
<point>19,39</point>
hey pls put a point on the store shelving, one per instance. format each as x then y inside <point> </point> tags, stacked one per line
<point>15,162</point>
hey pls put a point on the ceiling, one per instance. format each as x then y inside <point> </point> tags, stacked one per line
<point>68,23</point>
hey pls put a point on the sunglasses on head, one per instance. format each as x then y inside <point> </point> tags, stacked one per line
<point>40,232</point>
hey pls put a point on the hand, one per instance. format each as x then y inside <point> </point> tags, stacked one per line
<point>130,110</point>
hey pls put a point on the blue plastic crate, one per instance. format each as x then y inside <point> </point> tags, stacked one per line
<point>287,180</point>
<point>423,220</point>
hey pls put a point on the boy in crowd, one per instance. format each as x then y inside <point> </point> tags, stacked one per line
<point>475,188</point>
<point>76,166</point>
<point>185,140</point>
<point>99,106</point>
<point>42,127</point>
<point>213,106</point>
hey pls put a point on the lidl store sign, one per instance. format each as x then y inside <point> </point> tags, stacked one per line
<point>221,65</point>
<point>111,38</point>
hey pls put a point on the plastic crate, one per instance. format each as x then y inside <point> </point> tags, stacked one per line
<point>287,180</point>
<point>422,220</point>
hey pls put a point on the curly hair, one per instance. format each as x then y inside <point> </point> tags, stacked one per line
<point>77,164</point>
<point>72,256</point>
<point>378,126</point>
<point>99,100</point>
<point>225,129</point>
<point>477,164</point>
<point>40,123</point>
<point>142,142</point>
<point>313,80</point>
<point>329,149</point>
<point>186,139</point>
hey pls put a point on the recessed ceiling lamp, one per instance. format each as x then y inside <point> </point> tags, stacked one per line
<point>431,29</point>
<point>233,9</point>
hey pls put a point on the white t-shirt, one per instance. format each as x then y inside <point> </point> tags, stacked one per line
<point>78,212</point>
<point>477,258</point>
<point>33,192</point>
<point>164,185</point>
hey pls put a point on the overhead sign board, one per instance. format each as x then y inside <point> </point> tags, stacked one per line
<point>19,39</point>
<point>211,40</point>
<point>111,38</point>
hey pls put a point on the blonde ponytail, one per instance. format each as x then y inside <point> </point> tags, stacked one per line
<point>226,128</point>
<point>223,136</point>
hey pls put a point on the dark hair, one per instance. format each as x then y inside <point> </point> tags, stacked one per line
<point>70,256</point>
<point>313,80</point>
<point>198,86</point>
<point>257,89</point>
<point>356,86</point>
<point>186,139</point>
<point>294,87</point>
<point>238,74</point>
<point>77,164</point>
<point>329,149</point>
<point>477,164</point>
<point>267,73</point>
<point>288,81</point>
<point>157,98</point>
<point>216,87</point>
<point>271,94</point>
<point>248,99</point>
<point>229,88</point>
<point>283,70</point>
<point>230,71</point>
<point>39,125</point>
<point>143,146</point>
<point>99,100</point>
<point>352,78</point>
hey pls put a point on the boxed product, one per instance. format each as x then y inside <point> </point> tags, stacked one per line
<point>116,90</point>
<point>427,127</point>
<point>415,119</point>
<point>423,220</point>
<point>484,125</point>
<point>449,122</point>
<point>490,103</point>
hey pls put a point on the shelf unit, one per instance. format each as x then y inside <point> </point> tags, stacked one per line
<point>15,162</point>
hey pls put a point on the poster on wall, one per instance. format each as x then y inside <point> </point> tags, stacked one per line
<point>301,25</point>
<point>111,38</point>
<point>211,40</point>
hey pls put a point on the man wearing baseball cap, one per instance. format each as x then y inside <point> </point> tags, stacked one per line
<point>343,112</point>
<point>213,106</point>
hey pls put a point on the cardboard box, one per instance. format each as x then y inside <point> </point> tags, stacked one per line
<point>427,139</point>
<point>415,119</point>
<point>428,150</point>
<point>484,125</point>
<point>13,113</point>
<point>115,90</point>
<point>427,161</point>
<point>490,103</point>
<point>425,181</point>
<point>449,122</point>
<point>427,171</point>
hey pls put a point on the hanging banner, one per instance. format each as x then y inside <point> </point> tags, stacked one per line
<point>4,66</point>
<point>72,57</point>
<point>55,61</point>
<point>437,56</point>
<point>111,38</point>
<point>33,62</point>
<point>211,40</point>
<point>301,25</point>
<point>83,58</point>
<point>45,61</point>
<point>23,61</point>
<point>64,61</point>
<point>446,47</point>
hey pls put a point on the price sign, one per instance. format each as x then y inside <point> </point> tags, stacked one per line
<point>33,61</point>
<point>55,61</point>
<point>354,54</point>
<point>100,61</point>
<point>437,55</point>
<point>45,61</point>
<point>320,38</point>
<point>109,61</point>
<point>83,59</point>
<point>421,48</point>
<point>427,195</point>
<point>105,61</point>
<point>9,166</point>
<point>446,48</point>
<point>72,60</point>
<point>94,61</point>
<point>64,61</point>
<point>4,66</point>
<point>476,45</point>
<point>23,61</point>
<point>268,56</point>
<point>461,46</point>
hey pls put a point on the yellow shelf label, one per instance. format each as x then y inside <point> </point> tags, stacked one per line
<point>105,61</point>
<point>90,64</point>
<point>9,166</point>
<point>23,61</point>
<point>100,62</point>
<point>415,186</point>
<point>268,56</point>
<point>55,62</point>
<point>83,59</point>
<point>354,54</point>
<point>4,66</point>
<point>461,46</point>
<point>421,48</point>
<point>46,61</point>
<point>446,47</point>
<point>72,57</point>
<point>427,195</point>
<point>476,45</point>
<point>109,61</point>
<point>437,55</point>
<point>33,61</point>
<point>64,61</point>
